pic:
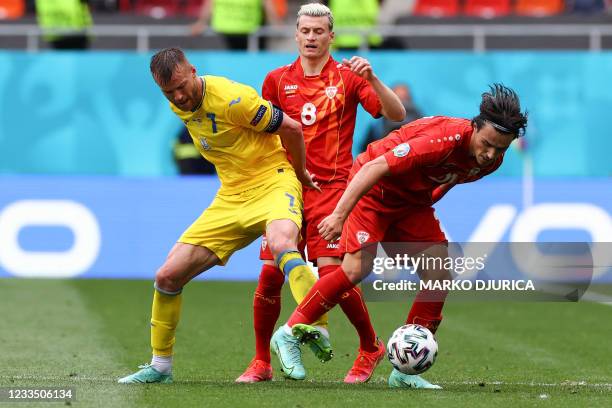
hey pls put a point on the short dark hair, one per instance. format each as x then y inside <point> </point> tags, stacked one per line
<point>164,62</point>
<point>501,108</point>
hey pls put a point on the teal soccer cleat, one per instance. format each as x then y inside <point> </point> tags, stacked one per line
<point>146,374</point>
<point>287,349</point>
<point>400,380</point>
<point>317,341</point>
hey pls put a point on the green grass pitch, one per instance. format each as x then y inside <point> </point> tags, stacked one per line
<point>87,333</point>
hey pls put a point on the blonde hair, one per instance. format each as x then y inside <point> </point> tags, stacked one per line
<point>316,10</point>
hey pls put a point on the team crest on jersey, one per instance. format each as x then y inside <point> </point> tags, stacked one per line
<point>401,150</point>
<point>204,143</point>
<point>264,243</point>
<point>331,91</point>
<point>362,236</point>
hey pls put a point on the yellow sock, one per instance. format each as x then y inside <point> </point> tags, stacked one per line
<point>301,279</point>
<point>165,315</point>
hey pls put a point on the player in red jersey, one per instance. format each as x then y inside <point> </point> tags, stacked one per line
<point>323,95</point>
<point>392,188</point>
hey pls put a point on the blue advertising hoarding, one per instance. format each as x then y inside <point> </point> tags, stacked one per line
<point>103,227</point>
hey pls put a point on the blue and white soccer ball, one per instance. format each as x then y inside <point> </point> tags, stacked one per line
<point>412,349</point>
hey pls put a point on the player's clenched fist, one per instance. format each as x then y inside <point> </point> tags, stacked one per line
<point>359,66</point>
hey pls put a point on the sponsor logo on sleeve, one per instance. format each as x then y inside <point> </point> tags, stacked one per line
<point>259,115</point>
<point>401,150</point>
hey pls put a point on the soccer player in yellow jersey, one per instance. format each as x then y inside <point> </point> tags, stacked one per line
<point>260,190</point>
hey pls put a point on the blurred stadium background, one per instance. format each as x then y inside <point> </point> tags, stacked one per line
<point>89,187</point>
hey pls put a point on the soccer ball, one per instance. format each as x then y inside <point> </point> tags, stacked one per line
<point>412,349</point>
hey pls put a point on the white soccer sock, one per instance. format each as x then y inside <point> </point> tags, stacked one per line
<point>287,330</point>
<point>163,364</point>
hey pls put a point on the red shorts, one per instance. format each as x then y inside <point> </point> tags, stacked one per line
<point>371,221</point>
<point>316,207</point>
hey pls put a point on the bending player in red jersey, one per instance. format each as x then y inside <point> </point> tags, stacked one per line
<point>323,95</point>
<point>392,188</point>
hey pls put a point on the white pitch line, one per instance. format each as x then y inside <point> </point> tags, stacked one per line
<point>487,383</point>
<point>531,384</point>
<point>597,298</point>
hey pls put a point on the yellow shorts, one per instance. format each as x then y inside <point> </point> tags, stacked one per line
<point>232,222</point>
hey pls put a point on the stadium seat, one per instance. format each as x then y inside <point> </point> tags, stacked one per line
<point>192,8</point>
<point>11,9</point>
<point>157,8</point>
<point>538,8</point>
<point>487,8</point>
<point>587,6</point>
<point>436,8</point>
<point>125,5</point>
<point>281,8</point>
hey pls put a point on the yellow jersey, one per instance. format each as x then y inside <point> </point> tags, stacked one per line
<point>234,129</point>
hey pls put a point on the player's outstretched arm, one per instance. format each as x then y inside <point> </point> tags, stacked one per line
<point>331,226</point>
<point>290,133</point>
<point>391,105</point>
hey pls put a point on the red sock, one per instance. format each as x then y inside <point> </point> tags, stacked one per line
<point>355,309</point>
<point>266,309</point>
<point>323,296</point>
<point>427,309</point>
